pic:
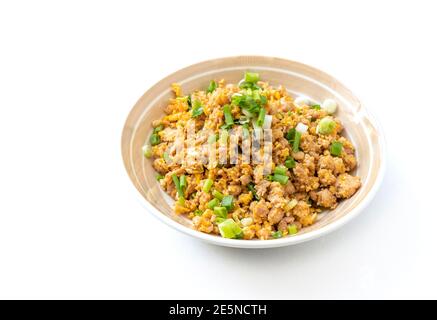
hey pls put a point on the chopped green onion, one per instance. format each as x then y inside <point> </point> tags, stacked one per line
<point>217,194</point>
<point>228,202</point>
<point>159,177</point>
<point>296,141</point>
<point>291,204</point>
<point>261,117</point>
<point>277,234</point>
<point>228,115</point>
<point>213,203</point>
<point>290,134</point>
<point>147,151</point>
<point>230,229</point>
<point>183,181</point>
<point>158,128</point>
<point>212,86</point>
<point>290,163</point>
<point>251,77</point>
<point>282,179</point>
<point>336,148</point>
<point>198,212</point>
<point>269,177</point>
<point>181,200</point>
<point>316,107</point>
<point>326,126</point>
<point>207,185</point>
<point>197,109</point>
<point>221,212</point>
<point>166,157</point>
<point>154,139</point>
<point>280,170</point>
<point>292,229</point>
<point>251,187</point>
<point>177,185</point>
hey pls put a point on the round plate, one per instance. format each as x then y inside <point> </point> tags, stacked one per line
<point>299,79</point>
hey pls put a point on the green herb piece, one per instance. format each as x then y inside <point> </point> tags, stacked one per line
<point>228,115</point>
<point>277,234</point>
<point>212,86</point>
<point>296,141</point>
<point>290,163</point>
<point>213,203</point>
<point>155,139</point>
<point>197,109</point>
<point>336,148</point>
<point>221,212</point>
<point>207,185</point>
<point>292,229</point>
<point>251,77</point>
<point>261,117</point>
<point>228,202</point>
<point>177,185</point>
<point>280,170</point>
<point>251,187</point>
<point>230,229</point>
<point>282,179</point>
<point>217,194</point>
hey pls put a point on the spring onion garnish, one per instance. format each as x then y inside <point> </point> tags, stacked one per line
<point>296,141</point>
<point>251,77</point>
<point>316,107</point>
<point>212,86</point>
<point>291,204</point>
<point>329,105</point>
<point>292,229</point>
<point>207,185</point>
<point>177,185</point>
<point>251,187</point>
<point>221,212</point>
<point>290,134</point>
<point>277,234</point>
<point>213,203</point>
<point>217,194</point>
<point>183,182</point>
<point>197,109</point>
<point>300,101</point>
<point>198,212</point>
<point>158,128</point>
<point>290,163</point>
<point>230,229</point>
<point>155,139</point>
<point>166,157</point>
<point>228,115</point>
<point>336,148</point>
<point>228,202</point>
<point>282,179</point>
<point>159,177</point>
<point>326,126</point>
<point>181,200</point>
<point>280,170</point>
<point>261,117</point>
<point>302,128</point>
<point>147,151</point>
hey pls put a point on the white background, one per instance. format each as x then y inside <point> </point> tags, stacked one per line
<point>70,223</point>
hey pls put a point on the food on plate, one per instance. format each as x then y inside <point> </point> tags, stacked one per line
<point>249,160</point>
